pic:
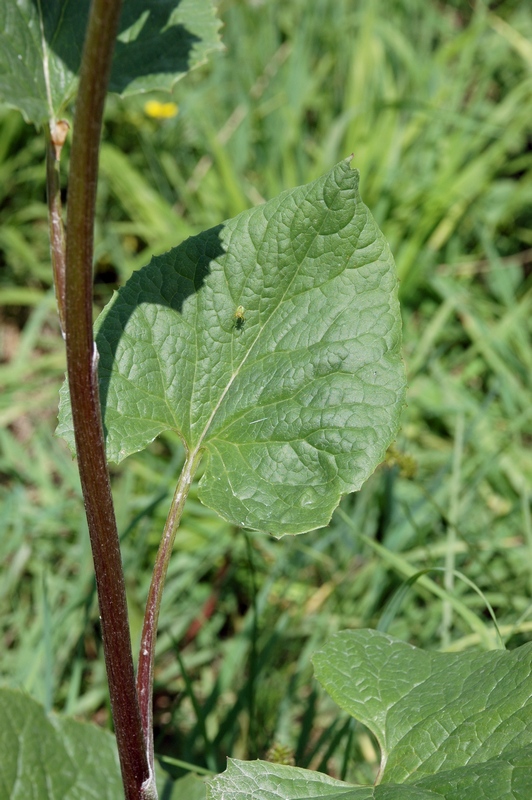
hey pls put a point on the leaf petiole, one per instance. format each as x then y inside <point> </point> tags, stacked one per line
<point>153,604</point>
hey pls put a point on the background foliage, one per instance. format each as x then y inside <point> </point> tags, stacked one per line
<point>433,100</point>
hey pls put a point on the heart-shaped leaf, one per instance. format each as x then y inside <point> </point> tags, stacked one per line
<point>271,343</point>
<point>53,757</point>
<point>41,43</point>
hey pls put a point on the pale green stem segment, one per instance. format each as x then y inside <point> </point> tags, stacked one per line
<point>153,605</point>
<point>55,225</point>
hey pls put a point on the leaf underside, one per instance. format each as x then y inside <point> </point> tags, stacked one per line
<point>41,43</point>
<point>272,343</point>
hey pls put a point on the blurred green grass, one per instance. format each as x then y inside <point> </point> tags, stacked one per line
<point>433,99</point>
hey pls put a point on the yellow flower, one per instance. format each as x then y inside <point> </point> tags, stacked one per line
<point>158,110</point>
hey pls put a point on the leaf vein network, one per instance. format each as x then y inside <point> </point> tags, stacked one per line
<point>261,329</point>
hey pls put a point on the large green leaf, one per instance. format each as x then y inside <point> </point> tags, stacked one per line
<point>431,712</point>
<point>272,343</point>
<point>41,43</point>
<point>450,726</point>
<point>53,758</point>
<point>500,779</point>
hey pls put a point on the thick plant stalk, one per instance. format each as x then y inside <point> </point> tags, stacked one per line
<point>83,382</point>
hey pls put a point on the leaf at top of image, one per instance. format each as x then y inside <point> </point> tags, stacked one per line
<point>272,344</point>
<point>41,42</point>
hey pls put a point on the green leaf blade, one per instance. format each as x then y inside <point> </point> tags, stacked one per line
<point>266,781</point>
<point>503,779</point>
<point>159,42</point>
<point>431,712</point>
<point>507,778</point>
<point>451,726</point>
<point>295,403</point>
<point>22,82</point>
<point>41,43</point>
<point>53,757</point>
<point>262,780</point>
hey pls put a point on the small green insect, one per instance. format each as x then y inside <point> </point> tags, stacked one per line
<point>240,318</point>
